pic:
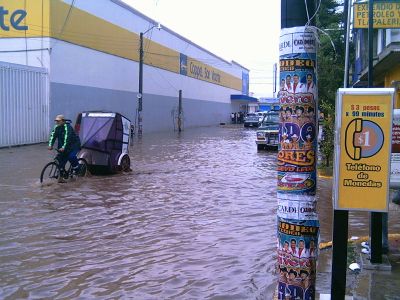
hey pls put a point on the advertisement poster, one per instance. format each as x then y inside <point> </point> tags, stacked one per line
<point>298,224</point>
<point>298,100</point>
<point>297,254</point>
<point>363,161</point>
<point>297,210</point>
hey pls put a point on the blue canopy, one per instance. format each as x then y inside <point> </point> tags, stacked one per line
<point>243,98</point>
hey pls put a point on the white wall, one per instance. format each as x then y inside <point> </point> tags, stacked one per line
<point>118,15</point>
<point>72,64</point>
<point>32,52</point>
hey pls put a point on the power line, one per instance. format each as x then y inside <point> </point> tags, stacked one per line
<point>65,21</point>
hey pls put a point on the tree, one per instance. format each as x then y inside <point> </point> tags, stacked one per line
<point>331,58</point>
<point>326,144</point>
<point>331,62</point>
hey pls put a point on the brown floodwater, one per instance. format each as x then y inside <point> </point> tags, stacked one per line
<point>195,219</point>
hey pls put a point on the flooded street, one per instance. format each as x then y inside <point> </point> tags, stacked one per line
<point>194,220</point>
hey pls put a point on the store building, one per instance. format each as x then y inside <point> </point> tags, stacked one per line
<point>267,104</point>
<point>386,63</point>
<point>87,52</point>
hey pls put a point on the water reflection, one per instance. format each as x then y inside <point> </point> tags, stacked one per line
<point>194,220</point>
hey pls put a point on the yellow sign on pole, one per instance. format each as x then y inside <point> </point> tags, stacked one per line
<point>385,15</point>
<point>363,148</point>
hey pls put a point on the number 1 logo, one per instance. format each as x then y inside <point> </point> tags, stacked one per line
<point>363,139</point>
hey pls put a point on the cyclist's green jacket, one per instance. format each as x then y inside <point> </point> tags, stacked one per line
<point>66,136</point>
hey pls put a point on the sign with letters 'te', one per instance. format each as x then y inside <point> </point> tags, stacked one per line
<point>385,15</point>
<point>363,148</point>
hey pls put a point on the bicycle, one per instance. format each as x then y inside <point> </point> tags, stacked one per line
<point>53,173</point>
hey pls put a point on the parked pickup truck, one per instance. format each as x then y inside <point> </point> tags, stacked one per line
<point>251,120</point>
<point>268,132</point>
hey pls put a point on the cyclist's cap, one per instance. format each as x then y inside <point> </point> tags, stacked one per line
<point>59,118</point>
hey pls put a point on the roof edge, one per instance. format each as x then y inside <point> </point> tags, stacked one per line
<point>154,22</point>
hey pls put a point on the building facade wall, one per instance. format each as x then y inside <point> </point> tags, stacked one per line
<point>159,112</point>
<point>34,52</point>
<point>91,50</point>
<point>111,83</point>
<point>392,79</point>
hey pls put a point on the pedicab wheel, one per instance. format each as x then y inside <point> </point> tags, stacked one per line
<point>83,169</point>
<point>50,173</point>
<point>126,163</point>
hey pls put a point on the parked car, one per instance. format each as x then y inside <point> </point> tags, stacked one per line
<point>104,139</point>
<point>268,132</point>
<point>261,115</point>
<point>251,120</point>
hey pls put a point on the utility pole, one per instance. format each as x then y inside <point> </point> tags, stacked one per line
<point>298,223</point>
<point>274,79</point>
<point>341,217</point>
<point>347,9</point>
<point>140,94</point>
<point>376,217</point>
<point>180,111</point>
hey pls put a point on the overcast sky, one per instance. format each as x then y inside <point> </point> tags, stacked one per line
<point>246,31</point>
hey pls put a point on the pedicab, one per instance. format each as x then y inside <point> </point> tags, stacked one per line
<point>104,141</point>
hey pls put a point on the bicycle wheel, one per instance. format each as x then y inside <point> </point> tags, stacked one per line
<point>67,172</point>
<point>83,170</point>
<point>50,173</point>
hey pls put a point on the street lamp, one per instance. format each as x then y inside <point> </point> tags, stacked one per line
<point>140,94</point>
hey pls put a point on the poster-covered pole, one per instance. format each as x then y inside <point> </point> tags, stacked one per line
<point>297,218</point>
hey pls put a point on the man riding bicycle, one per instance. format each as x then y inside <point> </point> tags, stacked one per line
<point>69,143</point>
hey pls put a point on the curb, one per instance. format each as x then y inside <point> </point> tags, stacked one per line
<point>327,245</point>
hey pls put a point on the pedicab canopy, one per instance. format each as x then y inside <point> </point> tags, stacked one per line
<point>106,132</point>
